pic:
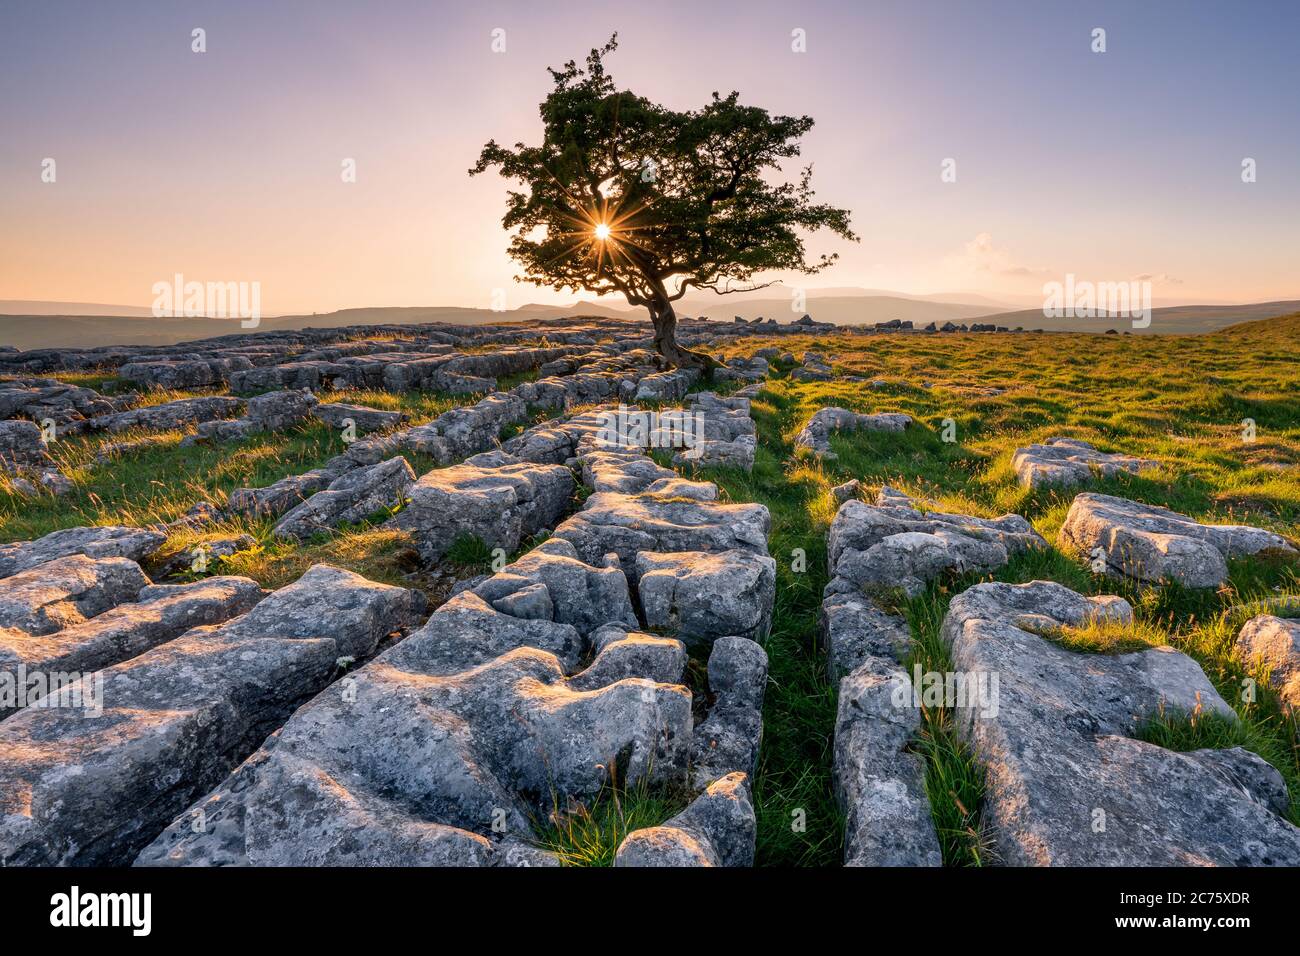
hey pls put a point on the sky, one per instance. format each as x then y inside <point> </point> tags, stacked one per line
<point>226,165</point>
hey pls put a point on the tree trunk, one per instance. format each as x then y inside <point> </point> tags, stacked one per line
<point>665,323</point>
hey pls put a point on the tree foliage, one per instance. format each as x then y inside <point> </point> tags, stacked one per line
<point>625,195</point>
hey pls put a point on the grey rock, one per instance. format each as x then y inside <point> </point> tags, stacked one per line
<point>1151,543</point>
<point>1066,783</point>
<point>893,543</point>
<point>21,447</point>
<point>94,791</point>
<point>627,525</point>
<point>717,829</point>
<point>66,591</point>
<point>170,415</point>
<point>160,613</point>
<point>729,737</point>
<point>112,541</point>
<point>855,628</point>
<point>815,436</point>
<point>387,760</point>
<point>1274,643</point>
<point>1068,461</point>
<point>499,506</point>
<point>576,593</point>
<point>355,496</point>
<point>879,783</point>
<point>847,491</point>
<point>337,414</point>
<point>702,596</point>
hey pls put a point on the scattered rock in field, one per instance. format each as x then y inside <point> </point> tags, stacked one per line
<point>1155,544</point>
<point>717,829</point>
<point>355,496</point>
<point>879,781</point>
<point>702,596</point>
<point>628,525</point>
<point>46,399</point>
<point>159,613</point>
<point>499,506</point>
<point>1068,461</point>
<point>171,415</point>
<point>112,541</point>
<point>21,447</point>
<point>815,368</point>
<point>113,451</point>
<point>846,491</point>
<point>728,739</point>
<point>666,386</point>
<point>365,419</point>
<point>277,498</point>
<point>855,628</point>
<point>893,543</point>
<point>272,412</point>
<point>1067,786</point>
<point>815,436</point>
<point>66,591</point>
<point>1275,643</point>
<point>176,718</point>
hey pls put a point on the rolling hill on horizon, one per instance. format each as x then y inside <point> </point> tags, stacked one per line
<point>42,326</point>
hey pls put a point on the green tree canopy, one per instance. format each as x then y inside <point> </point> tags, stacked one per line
<point>624,195</point>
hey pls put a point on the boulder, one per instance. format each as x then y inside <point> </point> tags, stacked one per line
<point>1274,642</point>
<point>499,506</point>
<point>66,591</point>
<point>1066,783</point>
<point>701,596</point>
<point>1068,461</point>
<point>112,541</point>
<point>355,496</point>
<point>717,829</point>
<point>1155,544</point>
<point>76,791</point>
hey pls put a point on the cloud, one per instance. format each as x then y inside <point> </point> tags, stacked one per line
<point>1159,278</point>
<point>982,255</point>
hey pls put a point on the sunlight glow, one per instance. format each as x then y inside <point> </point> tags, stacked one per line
<point>602,231</point>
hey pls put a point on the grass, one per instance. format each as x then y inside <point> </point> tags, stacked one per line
<point>1181,400</point>
<point>586,835</point>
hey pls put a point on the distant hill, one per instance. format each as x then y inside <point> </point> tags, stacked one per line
<point>60,331</point>
<point>842,310</point>
<point>1172,320</point>
<point>37,329</point>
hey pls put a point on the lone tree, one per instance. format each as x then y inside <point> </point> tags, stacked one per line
<point>624,195</point>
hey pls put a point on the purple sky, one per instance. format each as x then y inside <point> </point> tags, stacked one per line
<point>225,166</point>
